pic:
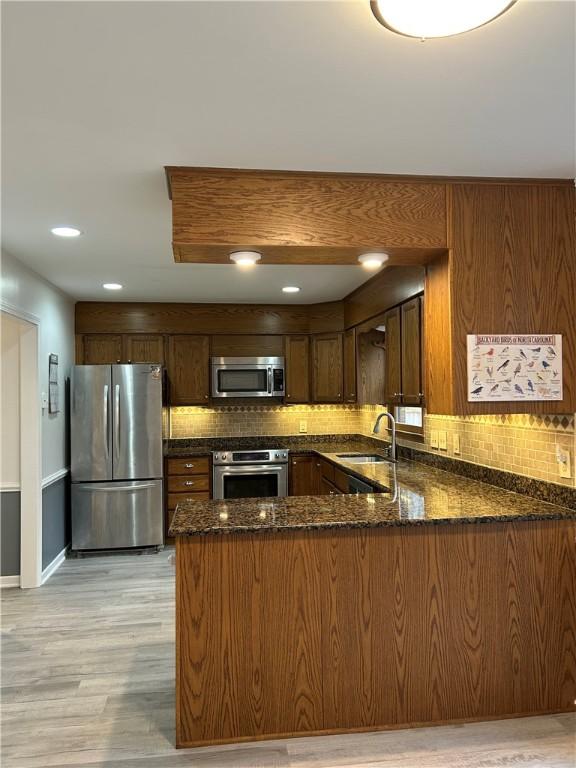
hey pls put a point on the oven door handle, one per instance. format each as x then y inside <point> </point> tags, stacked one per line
<point>250,470</point>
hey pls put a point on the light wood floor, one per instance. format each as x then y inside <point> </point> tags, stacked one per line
<point>88,679</point>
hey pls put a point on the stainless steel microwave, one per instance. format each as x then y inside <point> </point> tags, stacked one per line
<point>247,376</point>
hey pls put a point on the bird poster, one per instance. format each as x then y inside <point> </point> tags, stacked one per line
<point>512,368</point>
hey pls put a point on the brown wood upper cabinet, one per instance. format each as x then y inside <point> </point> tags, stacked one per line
<point>110,349</point>
<point>144,348</point>
<point>327,376</point>
<point>393,357</point>
<point>297,354</point>
<point>403,357</point>
<point>349,356</point>
<point>102,349</point>
<point>189,369</point>
<point>412,352</point>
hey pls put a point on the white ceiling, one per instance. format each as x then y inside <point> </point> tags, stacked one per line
<point>99,96</point>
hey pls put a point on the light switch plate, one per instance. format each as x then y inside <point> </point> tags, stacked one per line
<point>564,461</point>
<point>434,438</point>
<point>442,440</point>
<point>303,426</point>
<point>456,444</point>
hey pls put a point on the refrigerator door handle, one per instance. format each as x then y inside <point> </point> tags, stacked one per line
<point>113,489</point>
<point>117,420</point>
<point>106,423</point>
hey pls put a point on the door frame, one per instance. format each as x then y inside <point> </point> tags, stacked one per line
<point>30,446</point>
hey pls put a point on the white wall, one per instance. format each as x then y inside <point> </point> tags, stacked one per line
<point>28,292</point>
<point>9,402</point>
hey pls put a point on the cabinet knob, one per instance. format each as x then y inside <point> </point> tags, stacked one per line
<point>206,397</point>
<point>288,395</point>
<point>420,394</point>
<point>189,466</point>
<point>189,482</point>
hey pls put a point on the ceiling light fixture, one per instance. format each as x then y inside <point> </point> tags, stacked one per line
<point>437,18</point>
<point>66,231</point>
<point>373,260</point>
<point>112,286</point>
<point>291,289</point>
<point>245,258</point>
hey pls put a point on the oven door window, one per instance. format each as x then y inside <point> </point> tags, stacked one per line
<point>242,380</point>
<point>250,486</point>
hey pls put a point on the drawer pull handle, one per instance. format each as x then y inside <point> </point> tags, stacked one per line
<point>189,466</point>
<point>189,482</point>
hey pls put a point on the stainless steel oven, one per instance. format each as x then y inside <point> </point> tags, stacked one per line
<point>247,376</point>
<point>250,474</point>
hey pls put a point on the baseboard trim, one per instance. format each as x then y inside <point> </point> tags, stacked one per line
<point>54,565</point>
<point>54,477</point>
<point>9,581</point>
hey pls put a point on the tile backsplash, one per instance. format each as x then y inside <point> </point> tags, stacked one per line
<point>523,444</point>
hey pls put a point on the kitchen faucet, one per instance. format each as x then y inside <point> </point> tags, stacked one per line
<point>376,430</point>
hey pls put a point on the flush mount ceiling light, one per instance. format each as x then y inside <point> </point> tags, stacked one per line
<point>112,286</point>
<point>373,260</point>
<point>245,258</point>
<point>65,231</point>
<point>291,289</point>
<point>437,18</point>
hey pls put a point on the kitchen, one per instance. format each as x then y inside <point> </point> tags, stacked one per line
<point>349,405</point>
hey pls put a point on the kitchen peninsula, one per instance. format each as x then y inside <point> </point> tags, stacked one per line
<point>437,599</point>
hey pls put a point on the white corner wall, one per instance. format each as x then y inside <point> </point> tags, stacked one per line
<point>26,291</point>
<point>9,402</point>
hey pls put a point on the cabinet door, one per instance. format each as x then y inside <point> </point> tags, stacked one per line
<point>328,489</point>
<point>102,349</point>
<point>327,368</point>
<point>411,352</point>
<point>393,357</point>
<point>297,353</point>
<point>189,369</point>
<point>143,348</point>
<point>303,476</point>
<point>350,391</point>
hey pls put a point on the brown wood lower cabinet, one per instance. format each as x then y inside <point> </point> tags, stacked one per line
<point>282,634</point>
<point>304,476</point>
<point>186,479</point>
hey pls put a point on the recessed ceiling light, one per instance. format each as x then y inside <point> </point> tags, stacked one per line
<point>65,231</point>
<point>245,258</point>
<point>112,286</point>
<point>437,18</point>
<point>373,260</point>
<point>291,289</point>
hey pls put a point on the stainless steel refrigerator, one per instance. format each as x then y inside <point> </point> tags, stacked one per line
<point>116,456</point>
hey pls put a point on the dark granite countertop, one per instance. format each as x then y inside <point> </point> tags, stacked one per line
<point>412,494</point>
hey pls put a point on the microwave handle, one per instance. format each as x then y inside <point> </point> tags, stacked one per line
<point>269,381</point>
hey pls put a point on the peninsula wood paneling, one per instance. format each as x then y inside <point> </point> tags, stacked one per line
<point>513,270</point>
<point>373,629</point>
<point>267,209</point>
<point>157,317</point>
<point>248,627</point>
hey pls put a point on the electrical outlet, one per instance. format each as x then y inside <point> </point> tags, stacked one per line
<point>564,461</point>
<point>456,444</point>
<point>442,440</point>
<point>303,426</point>
<point>434,438</point>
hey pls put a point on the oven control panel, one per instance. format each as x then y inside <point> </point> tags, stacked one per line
<point>270,456</point>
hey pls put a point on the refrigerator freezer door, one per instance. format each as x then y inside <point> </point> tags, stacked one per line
<point>91,423</point>
<point>117,515</point>
<point>137,421</point>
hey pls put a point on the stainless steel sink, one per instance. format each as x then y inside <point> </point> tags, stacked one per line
<point>361,458</point>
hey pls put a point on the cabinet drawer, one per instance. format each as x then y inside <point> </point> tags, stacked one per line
<point>187,484</point>
<point>178,498</point>
<point>340,480</point>
<point>195,465</point>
